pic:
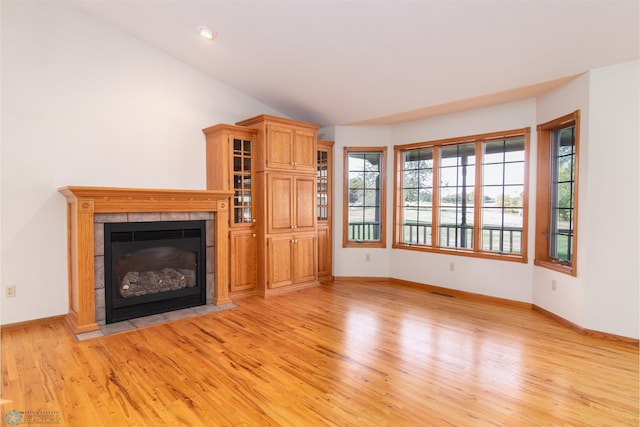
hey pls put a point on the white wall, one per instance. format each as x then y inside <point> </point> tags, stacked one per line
<point>351,261</point>
<point>568,299</point>
<point>84,103</point>
<point>604,296</point>
<point>613,223</point>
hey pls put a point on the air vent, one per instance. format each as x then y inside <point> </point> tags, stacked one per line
<point>442,294</point>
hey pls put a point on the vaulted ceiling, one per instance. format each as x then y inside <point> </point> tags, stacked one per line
<point>364,61</point>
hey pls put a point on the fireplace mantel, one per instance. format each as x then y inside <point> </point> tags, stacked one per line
<point>84,202</point>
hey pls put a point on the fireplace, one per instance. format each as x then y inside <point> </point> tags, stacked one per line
<point>88,208</point>
<point>153,267</point>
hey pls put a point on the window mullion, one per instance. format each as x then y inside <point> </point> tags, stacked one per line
<point>477,199</point>
<point>435,199</point>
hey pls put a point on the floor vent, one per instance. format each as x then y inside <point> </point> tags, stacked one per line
<point>442,294</point>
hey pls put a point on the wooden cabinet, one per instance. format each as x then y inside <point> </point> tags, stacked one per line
<point>244,251</point>
<point>288,148</point>
<point>284,144</point>
<point>230,166</point>
<point>291,259</point>
<point>289,205</point>
<point>285,165</point>
<point>270,164</point>
<point>324,253</point>
<point>324,206</point>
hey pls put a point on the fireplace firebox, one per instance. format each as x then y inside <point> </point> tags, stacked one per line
<point>153,267</point>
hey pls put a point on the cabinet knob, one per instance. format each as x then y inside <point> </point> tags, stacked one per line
<point>254,234</point>
<point>253,220</point>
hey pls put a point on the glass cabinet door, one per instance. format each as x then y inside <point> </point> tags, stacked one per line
<point>243,196</point>
<point>322,195</point>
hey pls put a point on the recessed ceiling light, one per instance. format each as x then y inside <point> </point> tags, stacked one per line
<point>207,32</point>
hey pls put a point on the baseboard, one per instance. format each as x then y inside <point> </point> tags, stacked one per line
<point>470,296</point>
<point>291,288</point>
<point>30,323</point>
<point>360,279</point>
<point>242,294</point>
<point>463,295</point>
<point>584,331</point>
<point>467,296</point>
<point>326,279</point>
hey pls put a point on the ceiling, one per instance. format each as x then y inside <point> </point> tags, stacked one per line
<point>381,62</point>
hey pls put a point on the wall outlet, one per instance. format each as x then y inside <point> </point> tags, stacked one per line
<point>452,267</point>
<point>367,257</point>
<point>553,285</point>
<point>10,291</point>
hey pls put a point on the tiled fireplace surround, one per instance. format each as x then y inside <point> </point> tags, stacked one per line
<point>98,260</point>
<point>88,208</point>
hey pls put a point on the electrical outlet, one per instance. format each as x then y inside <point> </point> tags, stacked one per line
<point>10,291</point>
<point>452,267</point>
<point>367,257</point>
<point>553,285</point>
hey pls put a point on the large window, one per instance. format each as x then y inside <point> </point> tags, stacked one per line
<point>364,197</point>
<point>464,195</point>
<point>556,208</point>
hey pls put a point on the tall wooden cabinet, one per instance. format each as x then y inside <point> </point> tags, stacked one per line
<point>324,206</point>
<point>270,163</point>
<point>285,170</point>
<point>230,167</point>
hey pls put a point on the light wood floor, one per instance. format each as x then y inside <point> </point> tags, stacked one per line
<point>343,355</point>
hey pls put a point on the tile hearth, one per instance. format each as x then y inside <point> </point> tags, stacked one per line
<point>156,319</point>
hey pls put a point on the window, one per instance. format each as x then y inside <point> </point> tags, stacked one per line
<point>464,195</point>
<point>456,189</point>
<point>364,197</point>
<point>556,207</point>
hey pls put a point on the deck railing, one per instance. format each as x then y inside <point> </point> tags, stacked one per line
<point>494,239</point>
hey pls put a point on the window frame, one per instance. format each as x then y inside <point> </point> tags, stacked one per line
<point>477,250</point>
<point>382,243</point>
<point>544,190</point>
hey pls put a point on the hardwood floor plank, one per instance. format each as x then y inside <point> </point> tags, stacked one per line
<point>340,354</point>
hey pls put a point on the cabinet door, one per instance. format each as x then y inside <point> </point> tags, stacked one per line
<point>324,251</point>
<point>243,260</point>
<point>242,165</point>
<point>279,261</point>
<point>324,201</point>
<point>304,151</point>
<point>280,197</point>
<point>279,147</point>
<point>304,257</point>
<point>305,203</point>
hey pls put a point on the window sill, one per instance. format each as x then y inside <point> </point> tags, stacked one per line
<point>363,244</point>
<point>565,269</point>
<point>460,252</point>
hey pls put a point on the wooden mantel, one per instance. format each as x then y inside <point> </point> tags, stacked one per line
<point>84,202</point>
